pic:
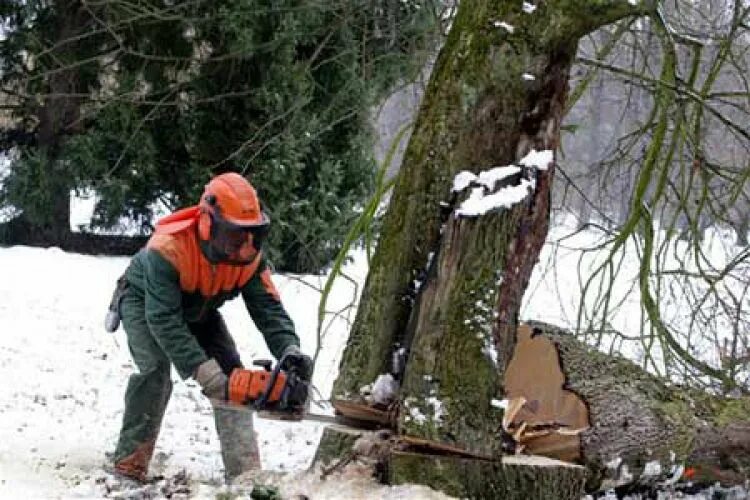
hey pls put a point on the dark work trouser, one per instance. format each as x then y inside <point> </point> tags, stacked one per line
<point>148,393</point>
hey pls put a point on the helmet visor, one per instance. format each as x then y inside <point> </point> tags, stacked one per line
<point>235,243</point>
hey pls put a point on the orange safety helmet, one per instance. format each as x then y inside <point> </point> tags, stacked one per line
<point>232,225</point>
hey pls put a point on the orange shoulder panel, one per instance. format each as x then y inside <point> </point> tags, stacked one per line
<point>178,221</point>
<point>167,246</point>
<point>178,250</point>
<point>182,250</point>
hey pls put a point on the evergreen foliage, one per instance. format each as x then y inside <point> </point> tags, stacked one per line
<point>169,93</point>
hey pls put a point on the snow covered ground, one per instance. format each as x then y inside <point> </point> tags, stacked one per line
<point>62,379</point>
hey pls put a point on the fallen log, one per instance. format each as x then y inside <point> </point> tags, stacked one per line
<point>627,426</point>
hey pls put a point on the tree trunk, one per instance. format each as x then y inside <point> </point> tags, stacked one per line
<point>58,115</point>
<point>449,287</point>
<point>640,430</point>
<point>569,402</point>
<point>497,92</point>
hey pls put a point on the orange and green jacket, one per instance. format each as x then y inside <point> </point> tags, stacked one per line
<point>179,285</point>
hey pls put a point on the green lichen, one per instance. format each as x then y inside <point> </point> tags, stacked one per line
<point>733,411</point>
<point>681,418</point>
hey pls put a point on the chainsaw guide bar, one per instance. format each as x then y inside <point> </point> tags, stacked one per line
<point>358,416</point>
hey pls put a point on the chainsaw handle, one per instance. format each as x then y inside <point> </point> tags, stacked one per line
<point>260,403</point>
<point>266,364</point>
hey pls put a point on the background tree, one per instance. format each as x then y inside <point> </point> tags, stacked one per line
<point>280,91</point>
<point>699,181</point>
<point>48,110</point>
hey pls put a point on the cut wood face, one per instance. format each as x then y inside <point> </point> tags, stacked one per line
<point>550,421</point>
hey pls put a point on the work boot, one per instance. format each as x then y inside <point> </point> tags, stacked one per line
<point>118,484</point>
<point>124,471</point>
<point>117,479</point>
<point>135,465</point>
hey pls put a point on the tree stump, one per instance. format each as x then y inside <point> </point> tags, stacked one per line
<point>512,477</point>
<point>402,459</point>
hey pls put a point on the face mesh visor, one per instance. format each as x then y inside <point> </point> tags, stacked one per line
<point>237,244</point>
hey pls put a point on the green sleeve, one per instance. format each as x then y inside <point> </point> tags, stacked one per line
<point>164,315</point>
<point>269,314</point>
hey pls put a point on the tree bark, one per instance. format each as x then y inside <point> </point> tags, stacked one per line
<point>400,460</point>
<point>625,428</point>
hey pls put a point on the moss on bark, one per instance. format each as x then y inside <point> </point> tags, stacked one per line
<point>335,444</point>
<point>452,374</point>
<point>475,111</point>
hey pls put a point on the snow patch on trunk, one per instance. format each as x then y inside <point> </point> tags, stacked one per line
<point>480,203</point>
<point>485,196</point>
<point>538,159</point>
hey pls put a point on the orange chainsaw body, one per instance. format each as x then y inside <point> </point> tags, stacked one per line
<point>246,386</point>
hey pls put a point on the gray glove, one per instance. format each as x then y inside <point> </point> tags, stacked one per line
<point>212,379</point>
<point>295,359</point>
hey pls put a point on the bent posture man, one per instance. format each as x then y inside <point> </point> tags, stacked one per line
<point>198,258</point>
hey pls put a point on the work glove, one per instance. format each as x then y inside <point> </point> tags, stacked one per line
<point>301,363</point>
<point>212,379</point>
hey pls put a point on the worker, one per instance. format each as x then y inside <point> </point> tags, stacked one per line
<point>168,300</point>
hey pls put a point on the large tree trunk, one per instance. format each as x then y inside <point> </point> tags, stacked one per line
<point>449,287</point>
<point>401,460</point>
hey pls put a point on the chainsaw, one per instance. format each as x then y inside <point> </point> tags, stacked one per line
<point>280,389</point>
<point>280,393</point>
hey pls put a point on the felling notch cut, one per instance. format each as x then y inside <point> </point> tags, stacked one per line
<point>547,418</point>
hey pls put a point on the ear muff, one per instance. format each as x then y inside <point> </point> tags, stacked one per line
<point>204,222</point>
<point>204,226</point>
